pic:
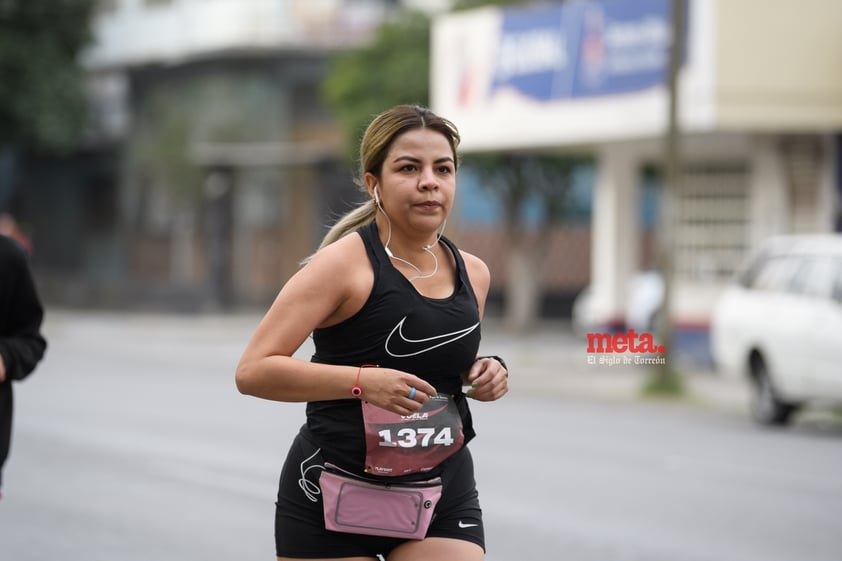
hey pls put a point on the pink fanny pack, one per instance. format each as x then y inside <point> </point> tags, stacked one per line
<point>357,506</point>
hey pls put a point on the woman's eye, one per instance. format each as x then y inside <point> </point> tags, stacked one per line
<point>408,167</point>
<point>444,169</point>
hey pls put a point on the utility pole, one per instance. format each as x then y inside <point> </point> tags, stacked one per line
<point>664,379</point>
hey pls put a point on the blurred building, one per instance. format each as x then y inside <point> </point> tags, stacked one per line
<point>760,109</point>
<point>211,160</point>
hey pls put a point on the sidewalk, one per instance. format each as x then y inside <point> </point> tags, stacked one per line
<point>550,360</point>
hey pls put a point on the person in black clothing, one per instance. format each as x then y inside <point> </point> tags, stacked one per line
<point>21,343</point>
<point>380,468</point>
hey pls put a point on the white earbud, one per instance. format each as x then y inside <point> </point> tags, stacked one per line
<point>426,248</point>
<point>377,202</point>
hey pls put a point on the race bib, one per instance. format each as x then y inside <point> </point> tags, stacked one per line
<point>417,443</point>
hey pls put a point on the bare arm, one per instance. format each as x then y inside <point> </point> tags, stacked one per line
<point>330,288</point>
<point>489,379</point>
<point>480,278</point>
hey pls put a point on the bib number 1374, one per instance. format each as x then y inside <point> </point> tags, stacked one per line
<point>415,437</point>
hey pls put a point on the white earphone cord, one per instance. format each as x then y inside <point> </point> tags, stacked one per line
<point>426,248</point>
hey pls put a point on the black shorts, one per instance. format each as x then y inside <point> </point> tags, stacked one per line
<point>299,519</point>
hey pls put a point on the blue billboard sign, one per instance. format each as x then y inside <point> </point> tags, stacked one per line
<point>584,48</point>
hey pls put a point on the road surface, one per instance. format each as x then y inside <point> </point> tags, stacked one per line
<point>132,443</point>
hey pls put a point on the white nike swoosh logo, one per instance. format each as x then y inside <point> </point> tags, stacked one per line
<point>427,344</point>
<point>463,525</point>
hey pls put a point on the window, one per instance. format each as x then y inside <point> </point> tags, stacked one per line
<point>775,273</point>
<point>837,284</point>
<point>711,222</point>
<point>798,283</point>
<point>813,278</point>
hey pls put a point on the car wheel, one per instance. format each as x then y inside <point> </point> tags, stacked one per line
<point>766,407</point>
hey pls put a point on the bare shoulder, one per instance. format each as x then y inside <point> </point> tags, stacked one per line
<point>341,274</point>
<point>344,252</point>
<point>320,293</point>
<point>340,265</point>
<point>477,271</point>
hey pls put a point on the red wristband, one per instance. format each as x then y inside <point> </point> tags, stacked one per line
<point>356,390</point>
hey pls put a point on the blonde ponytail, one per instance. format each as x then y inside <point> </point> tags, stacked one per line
<point>347,224</point>
<point>352,221</point>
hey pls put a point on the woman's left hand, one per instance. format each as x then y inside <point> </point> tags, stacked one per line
<point>489,380</point>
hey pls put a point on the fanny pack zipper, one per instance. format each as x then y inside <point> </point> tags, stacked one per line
<point>412,484</point>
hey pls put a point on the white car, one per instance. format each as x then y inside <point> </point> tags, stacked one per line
<point>779,325</point>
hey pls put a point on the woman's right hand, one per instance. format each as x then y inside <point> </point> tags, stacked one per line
<point>390,389</point>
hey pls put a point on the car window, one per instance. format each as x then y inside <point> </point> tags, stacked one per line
<point>747,277</point>
<point>799,279</point>
<point>814,277</point>
<point>837,284</point>
<point>775,273</point>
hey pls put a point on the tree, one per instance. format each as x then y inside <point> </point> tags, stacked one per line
<point>516,179</point>
<point>394,68</point>
<point>664,380</point>
<point>42,103</point>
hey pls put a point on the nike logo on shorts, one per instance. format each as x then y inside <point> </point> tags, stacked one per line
<point>412,347</point>
<point>466,525</point>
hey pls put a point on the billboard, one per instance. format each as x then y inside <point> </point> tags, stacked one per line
<point>597,69</point>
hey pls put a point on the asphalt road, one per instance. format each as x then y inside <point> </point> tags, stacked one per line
<point>132,443</point>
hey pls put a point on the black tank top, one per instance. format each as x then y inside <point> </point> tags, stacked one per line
<point>397,327</point>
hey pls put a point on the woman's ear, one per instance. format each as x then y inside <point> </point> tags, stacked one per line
<point>371,185</point>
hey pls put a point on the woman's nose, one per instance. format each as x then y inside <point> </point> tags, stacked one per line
<point>428,179</point>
